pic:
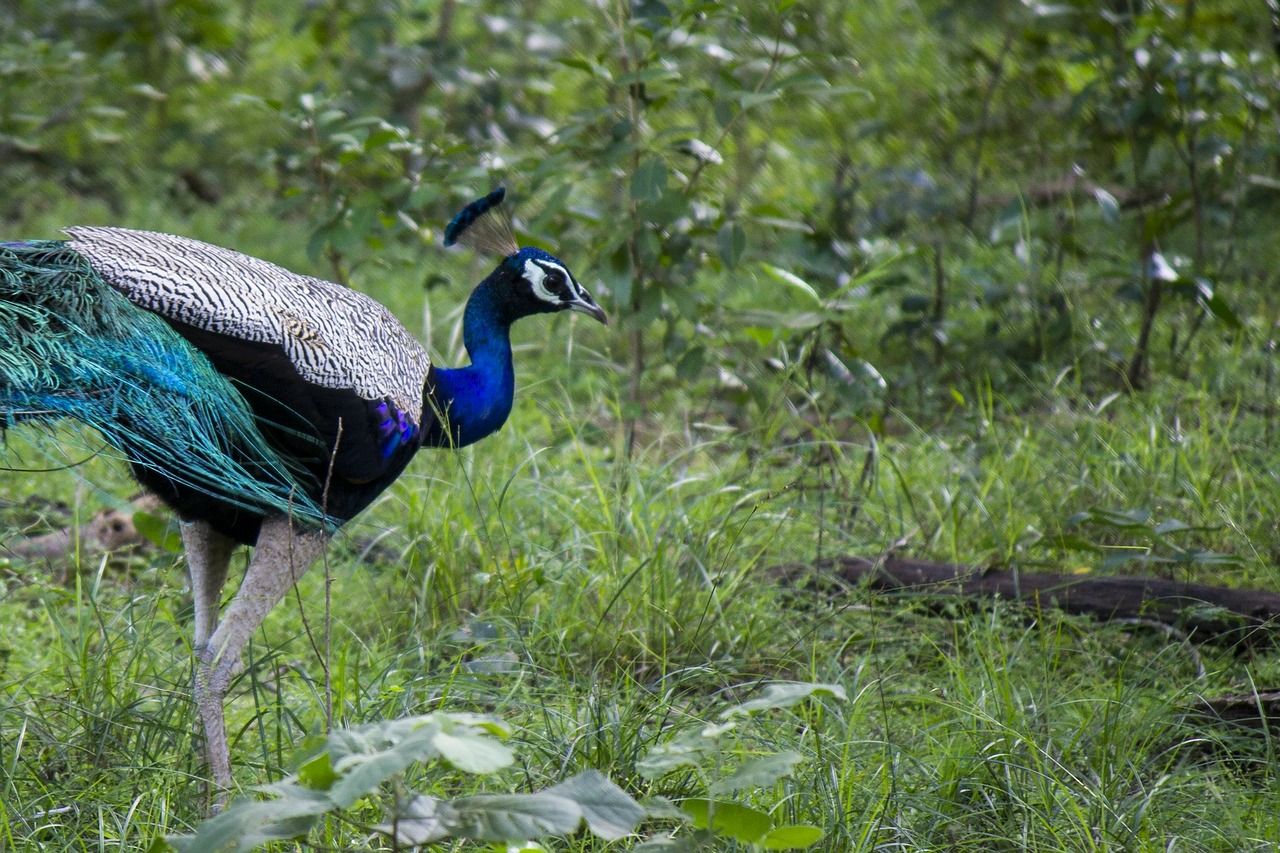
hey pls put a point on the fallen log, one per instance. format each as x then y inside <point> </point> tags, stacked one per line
<point>1199,610</point>
<point>1247,712</point>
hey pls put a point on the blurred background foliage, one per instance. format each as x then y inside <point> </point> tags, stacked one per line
<point>879,201</point>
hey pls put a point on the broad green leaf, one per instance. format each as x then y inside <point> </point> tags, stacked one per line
<point>732,241</point>
<point>660,808</point>
<point>649,180</point>
<point>513,817</point>
<point>247,824</point>
<point>737,821</point>
<point>610,812</point>
<point>366,756</point>
<point>382,138</point>
<point>1172,525</point>
<point>785,695</point>
<point>1072,542</point>
<point>688,750</point>
<point>759,772</point>
<point>796,320</point>
<point>1117,558</point>
<point>590,66</point>
<point>419,821</point>
<point>691,363</point>
<point>491,724</point>
<point>792,280</point>
<point>1121,519</point>
<point>158,530</point>
<point>317,773</point>
<point>472,752</point>
<point>791,837</point>
<point>670,205</point>
<point>1220,308</point>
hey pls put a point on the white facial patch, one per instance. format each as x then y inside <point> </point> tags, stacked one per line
<point>536,273</point>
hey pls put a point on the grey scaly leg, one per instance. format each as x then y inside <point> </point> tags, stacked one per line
<point>279,559</point>
<point>208,555</point>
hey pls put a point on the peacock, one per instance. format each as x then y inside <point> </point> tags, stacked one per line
<point>265,407</point>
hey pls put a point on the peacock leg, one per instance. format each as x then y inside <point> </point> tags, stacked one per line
<point>280,557</point>
<point>208,556</point>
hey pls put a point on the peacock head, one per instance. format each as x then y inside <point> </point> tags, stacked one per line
<point>529,280</point>
<point>540,284</point>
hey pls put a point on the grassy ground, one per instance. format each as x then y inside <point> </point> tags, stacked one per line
<point>600,603</point>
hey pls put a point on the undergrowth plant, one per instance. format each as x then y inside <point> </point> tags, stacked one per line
<point>361,769</point>
<point>713,756</point>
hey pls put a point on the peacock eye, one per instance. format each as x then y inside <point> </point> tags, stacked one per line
<point>555,280</point>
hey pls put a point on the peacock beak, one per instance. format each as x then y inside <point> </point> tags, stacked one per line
<point>586,305</point>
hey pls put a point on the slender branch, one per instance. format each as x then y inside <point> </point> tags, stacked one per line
<point>984,127</point>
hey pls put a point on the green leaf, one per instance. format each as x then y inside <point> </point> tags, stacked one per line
<point>687,750</point>
<point>1219,308</point>
<point>786,695</point>
<point>513,817</point>
<point>1072,542</point>
<point>417,822</point>
<point>796,320</point>
<point>649,180</point>
<point>473,752</point>
<point>649,75</point>
<point>791,837</point>
<point>759,772</point>
<point>1108,205</point>
<point>1119,519</point>
<point>691,363</point>
<point>158,530</point>
<point>317,773</point>
<point>739,822</point>
<point>1212,558</point>
<point>1172,525</point>
<point>250,823</point>
<point>732,241</point>
<point>660,808</point>
<point>610,812</point>
<point>366,756</point>
<point>792,280</point>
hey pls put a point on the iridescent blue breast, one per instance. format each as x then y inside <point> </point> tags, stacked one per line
<point>395,428</point>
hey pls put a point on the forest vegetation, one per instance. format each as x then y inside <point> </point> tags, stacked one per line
<point>989,283</point>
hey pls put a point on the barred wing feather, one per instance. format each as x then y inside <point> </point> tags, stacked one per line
<point>335,337</point>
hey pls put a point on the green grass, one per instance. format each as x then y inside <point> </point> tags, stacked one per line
<point>601,603</point>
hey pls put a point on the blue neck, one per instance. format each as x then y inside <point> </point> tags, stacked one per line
<point>476,399</point>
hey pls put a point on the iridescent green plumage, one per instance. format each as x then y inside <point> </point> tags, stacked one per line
<point>71,347</point>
